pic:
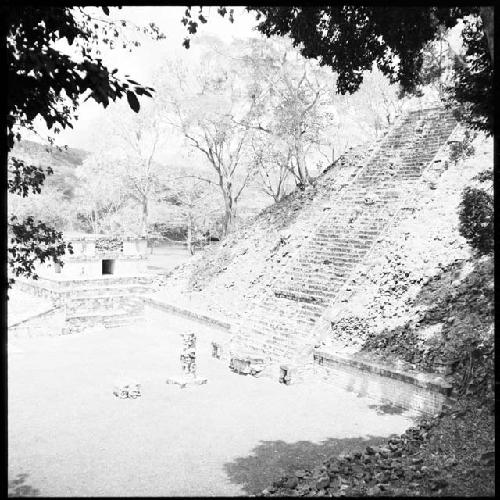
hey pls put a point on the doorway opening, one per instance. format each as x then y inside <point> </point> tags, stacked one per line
<point>108,266</point>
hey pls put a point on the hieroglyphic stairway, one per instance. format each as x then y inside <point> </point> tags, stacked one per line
<point>279,321</point>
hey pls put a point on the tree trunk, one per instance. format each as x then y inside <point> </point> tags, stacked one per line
<point>190,235</point>
<point>93,220</point>
<point>302,172</point>
<point>487,16</point>
<point>279,193</point>
<point>228,213</point>
<point>144,217</point>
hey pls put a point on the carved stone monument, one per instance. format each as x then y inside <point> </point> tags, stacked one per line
<point>188,355</point>
<point>188,363</point>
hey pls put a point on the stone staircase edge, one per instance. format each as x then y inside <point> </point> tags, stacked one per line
<point>185,312</point>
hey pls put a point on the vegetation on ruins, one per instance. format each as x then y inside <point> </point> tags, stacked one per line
<point>45,81</point>
<point>477,219</point>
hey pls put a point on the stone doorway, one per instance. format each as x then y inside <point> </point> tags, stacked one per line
<point>108,266</point>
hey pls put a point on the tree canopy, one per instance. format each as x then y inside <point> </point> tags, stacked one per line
<point>351,39</point>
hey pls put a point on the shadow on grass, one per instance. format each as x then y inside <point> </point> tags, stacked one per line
<point>19,488</point>
<point>271,460</point>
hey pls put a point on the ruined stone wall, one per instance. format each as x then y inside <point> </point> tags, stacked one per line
<point>88,303</point>
<point>383,388</point>
<point>48,323</point>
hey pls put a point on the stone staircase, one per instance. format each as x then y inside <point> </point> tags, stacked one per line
<point>111,301</point>
<point>280,322</point>
<point>110,305</point>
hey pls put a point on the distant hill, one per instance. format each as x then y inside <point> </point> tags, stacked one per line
<point>63,162</point>
<point>46,153</point>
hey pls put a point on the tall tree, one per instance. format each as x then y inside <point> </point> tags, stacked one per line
<point>205,102</point>
<point>137,141</point>
<point>472,92</point>
<point>293,104</point>
<point>100,192</point>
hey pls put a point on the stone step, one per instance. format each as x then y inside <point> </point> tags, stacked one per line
<point>108,290</point>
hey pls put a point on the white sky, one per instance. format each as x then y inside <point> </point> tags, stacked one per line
<point>142,61</point>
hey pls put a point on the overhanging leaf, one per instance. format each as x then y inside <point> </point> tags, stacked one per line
<point>133,101</point>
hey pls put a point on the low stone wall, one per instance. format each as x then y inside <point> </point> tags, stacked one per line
<point>420,393</point>
<point>187,313</point>
<point>39,288</point>
<point>76,324</point>
<point>46,324</point>
<point>92,304</point>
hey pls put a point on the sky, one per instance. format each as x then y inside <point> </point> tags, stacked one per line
<point>141,63</point>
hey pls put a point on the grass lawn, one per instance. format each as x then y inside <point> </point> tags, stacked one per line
<point>69,436</point>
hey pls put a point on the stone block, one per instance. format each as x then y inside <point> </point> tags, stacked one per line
<point>127,390</point>
<point>216,350</point>
<point>245,365</point>
<point>186,381</point>
<point>285,375</point>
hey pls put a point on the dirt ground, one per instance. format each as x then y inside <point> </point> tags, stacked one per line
<point>69,436</point>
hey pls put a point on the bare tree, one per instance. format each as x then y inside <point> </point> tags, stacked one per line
<point>207,108</point>
<point>100,193</point>
<point>135,140</point>
<point>272,168</point>
<point>194,199</point>
<point>293,99</point>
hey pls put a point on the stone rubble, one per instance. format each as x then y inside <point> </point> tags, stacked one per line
<point>127,390</point>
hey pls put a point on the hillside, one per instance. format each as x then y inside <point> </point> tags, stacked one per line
<point>63,162</point>
<point>45,154</point>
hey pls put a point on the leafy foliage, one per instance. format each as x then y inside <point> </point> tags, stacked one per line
<point>47,82</point>
<point>472,95</point>
<point>350,39</point>
<point>24,177</point>
<point>31,242</point>
<point>477,219</point>
<point>51,206</point>
<point>99,193</point>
